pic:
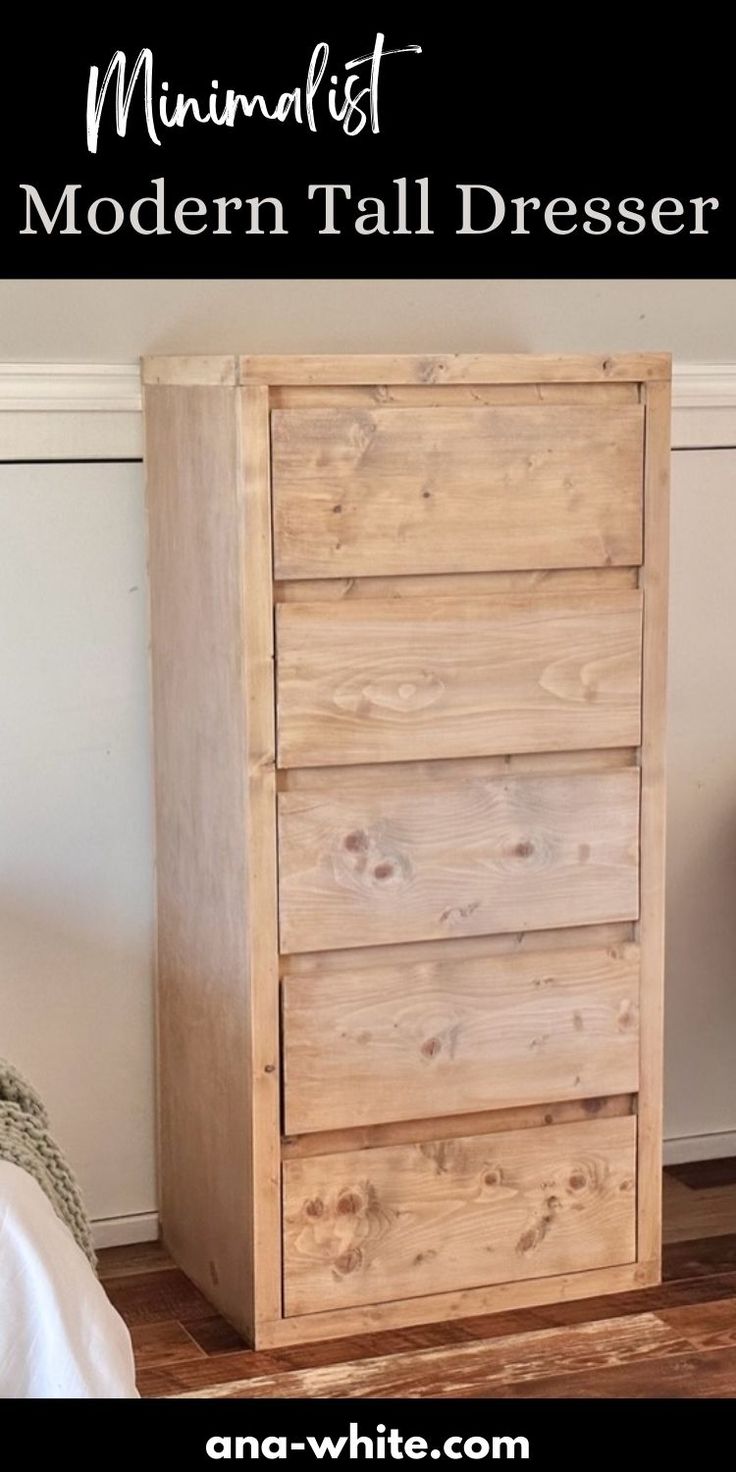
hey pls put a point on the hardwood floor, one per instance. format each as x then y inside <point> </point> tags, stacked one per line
<point>678,1339</point>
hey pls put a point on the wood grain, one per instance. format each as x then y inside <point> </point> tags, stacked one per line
<point>467,1370</point>
<point>473,947</point>
<point>393,1043</point>
<point>462,547</point>
<point>697,1213</point>
<point>450,855</point>
<point>440,396</point>
<point>393,774</point>
<point>688,1375</point>
<point>435,368</point>
<point>200,755</point>
<point>257,637</point>
<point>700,1258</point>
<point>208,495</point>
<point>133,1259</point>
<point>188,372</point>
<point>458,584</point>
<point>707,1302</point>
<point>159,1296</point>
<point>414,679</point>
<point>166,1342</point>
<point>409,1220</point>
<point>372,492</point>
<point>706,1326</point>
<point>465,1303</point>
<point>451,1126</point>
<point>654,579</point>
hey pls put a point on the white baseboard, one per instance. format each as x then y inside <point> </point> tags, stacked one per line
<point>120,1231</point>
<point>716,1146</point>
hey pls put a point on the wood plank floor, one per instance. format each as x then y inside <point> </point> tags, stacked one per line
<point>678,1339</point>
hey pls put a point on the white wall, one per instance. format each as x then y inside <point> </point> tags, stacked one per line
<point>76,907</point>
<point>115,321</point>
<point>700,1058</point>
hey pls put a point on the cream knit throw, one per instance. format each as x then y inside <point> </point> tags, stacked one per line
<point>25,1141</point>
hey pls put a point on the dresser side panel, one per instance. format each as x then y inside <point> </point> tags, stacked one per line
<point>195,539</point>
<point>654,582</point>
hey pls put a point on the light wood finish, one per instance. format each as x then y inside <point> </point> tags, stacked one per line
<point>318,963</point>
<point>256,612</point>
<point>654,579</point>
<point>434,368</point>
<point>408,1042</point>
<point>427,396</point>
<point>214,762</point>
<point>697,1301</point>
<point>433,1308</point>
<point>449,1127</point>
<point>370,492</point>
<point>411,1219</point>
<point>429,864</point>
<point>392,681</point>
<point>200,760</point>
<point>213,372</point>
<point>367,864</point>
<point>362,776</point>
<point>459,584</point>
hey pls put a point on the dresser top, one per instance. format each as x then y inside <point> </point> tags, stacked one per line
<point>408,368</point>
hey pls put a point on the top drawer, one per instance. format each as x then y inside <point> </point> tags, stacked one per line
<point>371,492</point>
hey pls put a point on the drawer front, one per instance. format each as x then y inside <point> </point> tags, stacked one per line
<point>444,1037</point>
<point>392,680</point>
<point>368,492</point>
<point>369,859</point>
<point>406,1220</point>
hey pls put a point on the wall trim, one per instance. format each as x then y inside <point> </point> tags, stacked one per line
<point>120,1231</point>
<point>77,388</point>
<point>70,411</point>
<point>718,1145</point>
<point>703,405</point>
<point>94,410</point>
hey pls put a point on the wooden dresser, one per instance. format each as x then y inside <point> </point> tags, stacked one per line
<point>408,669</point>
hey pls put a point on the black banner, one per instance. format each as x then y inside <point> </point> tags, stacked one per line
<point>307,1434</point>
<point>385,144</point>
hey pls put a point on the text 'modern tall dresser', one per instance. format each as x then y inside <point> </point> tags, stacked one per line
<point>409,619</point>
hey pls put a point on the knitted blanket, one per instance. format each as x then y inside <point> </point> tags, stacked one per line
<point>25,1140</point>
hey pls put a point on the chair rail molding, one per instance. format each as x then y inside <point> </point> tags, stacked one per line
<point>704,406</point>
<point>90,411</point>
<point>70,411</point>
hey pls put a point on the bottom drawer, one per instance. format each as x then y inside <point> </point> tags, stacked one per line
<point>404,1220</point>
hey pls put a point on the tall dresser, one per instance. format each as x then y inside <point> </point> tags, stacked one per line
<point>409,634</point>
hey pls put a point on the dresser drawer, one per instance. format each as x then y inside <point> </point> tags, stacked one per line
<point>396,679</point>
<point>442,1037</point>
<point>407,1220</point>
<point>363,492</point>
<point>371,856</point>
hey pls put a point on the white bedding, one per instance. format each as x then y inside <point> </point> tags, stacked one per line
<point>59,1333</point>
